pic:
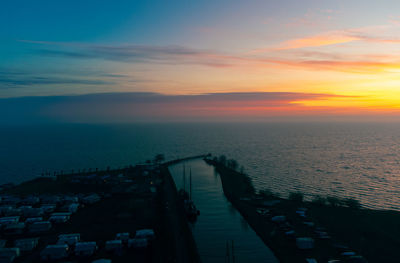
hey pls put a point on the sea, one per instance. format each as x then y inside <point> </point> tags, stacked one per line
<point>346,160</point>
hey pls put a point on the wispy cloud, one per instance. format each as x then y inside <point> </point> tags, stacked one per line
<point>175,55</point>
<point>172,54</point>
<point>7,82</point>
<point>317,41</point>
<point>367,34</point>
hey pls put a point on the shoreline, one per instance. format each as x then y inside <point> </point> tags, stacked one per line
<point>371,235</point>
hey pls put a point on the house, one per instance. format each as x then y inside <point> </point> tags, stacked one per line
<point>9,254</point>
<point>26,244</point>
<point>39,227</point>
<point>32,212</point>
<point>13,212</point>
<point>67,214</point>
<point>71,208</point>
<point>31,200</point>
<point>71,199</point>
<point>102,260</point>
<point>138,243</point>
<point>304,243</point>
<point>31,220</point>
<point>58,219</point>
<point>10,200</point>
<point>51,199</point>
<point>278,219</point>
<point>54,252</point>
<point>114,246</point>
<point>91,199</point>
<point>49,208</point>
<point>69,239</point>
<point>85,249</point>
<point>124,237</point>
<point>14,229</point>
<point>9,220</point>
<point>145,233</point>
<point>4,209</point>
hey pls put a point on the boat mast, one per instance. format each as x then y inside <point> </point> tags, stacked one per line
<point>190,178</point>
<point>184,178</point>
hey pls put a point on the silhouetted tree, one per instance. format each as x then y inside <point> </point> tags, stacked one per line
<point>296,197</point>
<point>159,158</point>
<point>333,201</point>
<point>352,203</point>
<point>222,159</point>
<point>233,164</point>
<point>319,200</point>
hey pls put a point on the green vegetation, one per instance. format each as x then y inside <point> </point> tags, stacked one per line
<point>267,193</point>
<point>296,197</point>
<point>233,164</point>
<point>222,160</point>
<point>159,158</point>
<point>319,200</point>
<point>334,201</point>
<point>352,203</point>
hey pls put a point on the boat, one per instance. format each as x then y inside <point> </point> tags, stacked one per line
<point>190,209</point>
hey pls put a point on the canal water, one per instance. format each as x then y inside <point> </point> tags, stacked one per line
<point>219,221</point>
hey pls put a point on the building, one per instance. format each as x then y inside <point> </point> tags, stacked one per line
<point>54,252</point>
<point>69,239</point>
<point>26,244</point>
<point>85,249</point>
<point>39,227</point>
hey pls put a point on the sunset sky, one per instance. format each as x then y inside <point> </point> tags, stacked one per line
<point>198,59</point>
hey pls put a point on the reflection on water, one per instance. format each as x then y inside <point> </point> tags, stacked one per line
<point>341,159</point>
<point>219,221</point>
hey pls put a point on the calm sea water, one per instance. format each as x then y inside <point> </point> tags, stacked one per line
<point>346,160</point>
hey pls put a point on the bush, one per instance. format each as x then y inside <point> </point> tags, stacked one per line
<point>333,201</point>
<point>222,159</point>
<point>352,203</point>
<point>319,200</point>
<point>233,164</point>
<point>296,197</point>
<point>266,193</point>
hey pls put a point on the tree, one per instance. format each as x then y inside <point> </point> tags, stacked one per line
<point>319,200</point>
<point>352,203</point>
<point>333,201</point>
<point>222,159</point>
<point>233,164</point>
<point>296,197</point>
<point>159,158</point>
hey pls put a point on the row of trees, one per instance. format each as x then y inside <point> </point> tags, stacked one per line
<point>230,163</point>
<point>158,159</point>
<point>298,197</point>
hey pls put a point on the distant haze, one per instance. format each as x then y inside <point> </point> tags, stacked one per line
<point>155,107</point>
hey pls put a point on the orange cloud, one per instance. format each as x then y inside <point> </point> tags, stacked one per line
<point>317,41</point>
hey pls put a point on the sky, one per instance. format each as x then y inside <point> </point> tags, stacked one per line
<point>152,60</point>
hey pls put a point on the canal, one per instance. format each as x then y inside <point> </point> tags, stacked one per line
<point>219,222</point>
